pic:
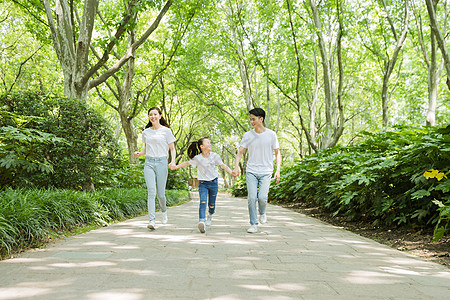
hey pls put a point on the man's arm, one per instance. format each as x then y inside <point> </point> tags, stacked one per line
<point>241,151</point>
<point>278,171</point>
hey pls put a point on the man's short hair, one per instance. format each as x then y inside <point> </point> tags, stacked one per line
<point>259,112</point>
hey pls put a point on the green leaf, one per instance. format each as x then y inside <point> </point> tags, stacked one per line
<point>420,194</point>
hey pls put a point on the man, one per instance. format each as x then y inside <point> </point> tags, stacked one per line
<point>261,143</point>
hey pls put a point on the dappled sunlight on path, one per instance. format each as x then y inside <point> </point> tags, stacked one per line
<point>292,257</point>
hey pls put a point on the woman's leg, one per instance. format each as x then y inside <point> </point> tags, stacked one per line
<point>161,181</point>
<point>150,181</point>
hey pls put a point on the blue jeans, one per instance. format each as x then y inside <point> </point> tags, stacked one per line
<point>155,174</point>
<point>207,191</point>
<point>258,189</point>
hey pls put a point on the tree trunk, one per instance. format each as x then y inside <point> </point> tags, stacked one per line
<point>389,64</point>
<point>332,132</point>
<point>384,95</point>
<point>431,8</point>
<point>434,74</point>
<point>125,105</point>
<point>315,98</point>
<point>278,102</point>
<point>243,71</point>
<point>131,136</point>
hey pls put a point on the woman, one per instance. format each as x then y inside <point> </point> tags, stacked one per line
<point>158,139</point>
<point>205,160</point>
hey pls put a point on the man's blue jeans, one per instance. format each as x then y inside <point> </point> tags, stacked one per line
<point>155,174</point>
<point>258,189</point>
<point>207,191</point>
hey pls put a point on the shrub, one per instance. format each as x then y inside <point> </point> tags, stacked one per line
<point>380,179</point>
<point>239,188</point>
<point>29,217</point>
<point>88,156</point>
<point>133,176</point>
<point>177,180</point>
<point>21,148</point>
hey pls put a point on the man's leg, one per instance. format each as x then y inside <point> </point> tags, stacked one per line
<point>263,193</point>
<point>252,188</point>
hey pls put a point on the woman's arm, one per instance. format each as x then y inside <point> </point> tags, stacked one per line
<point>172,155</point>
<point>182,165</point>
<point>137,154</point>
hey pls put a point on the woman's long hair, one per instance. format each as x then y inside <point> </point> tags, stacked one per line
<point>162,121</point>
<point>194,148</point>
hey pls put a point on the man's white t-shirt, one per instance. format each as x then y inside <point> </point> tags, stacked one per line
<point>206,167</point>
<point>260,150</point>
<point>157,141</point>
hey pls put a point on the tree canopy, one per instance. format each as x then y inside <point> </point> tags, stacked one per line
<point>323,70</point>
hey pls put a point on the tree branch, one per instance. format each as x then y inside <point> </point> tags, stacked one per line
<point>210,104</point>
<point>20,68</point>
<point>127,55</point>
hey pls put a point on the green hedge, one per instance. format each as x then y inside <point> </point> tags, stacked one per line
<point>239,188</point>
<point>29,217</point>
<point>49,141</point>
<point>381,179</point>
<point>132,176</point>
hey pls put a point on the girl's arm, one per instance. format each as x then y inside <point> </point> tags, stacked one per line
<point>226,168</point>
<point>182,165</point>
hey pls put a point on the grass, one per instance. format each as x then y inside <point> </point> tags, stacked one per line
<point>30,218</point>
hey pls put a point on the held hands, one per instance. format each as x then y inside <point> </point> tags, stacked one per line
<point>235,173</point>
<point>172,166</point>
<point>137,154</point>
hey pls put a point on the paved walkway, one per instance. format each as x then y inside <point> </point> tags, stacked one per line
<point>292,257</point>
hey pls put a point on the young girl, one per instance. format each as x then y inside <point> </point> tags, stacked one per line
<point>201,157</point>
<point>158,139</point>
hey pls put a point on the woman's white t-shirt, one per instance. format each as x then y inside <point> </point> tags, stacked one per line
<point>157,141</point>
<point>206,167</point>
<point>260,150</point>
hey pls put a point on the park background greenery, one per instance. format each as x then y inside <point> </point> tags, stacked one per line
<point>357,91</point>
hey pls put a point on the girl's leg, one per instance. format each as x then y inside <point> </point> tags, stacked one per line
<point>203,194</point>
<point>161,180</point>
<point>213,189</point>
<point>150,181</point>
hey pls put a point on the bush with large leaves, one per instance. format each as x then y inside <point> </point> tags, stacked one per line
<point>89,152</point>
<point>381,179</point>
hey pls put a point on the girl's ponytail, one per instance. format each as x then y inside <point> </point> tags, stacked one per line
<point>193,150</point>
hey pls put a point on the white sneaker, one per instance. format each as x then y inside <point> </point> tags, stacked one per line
<point>253,229</point>
<point>208,220</point>
<point>164,217</point>
<point>151,225</point>
<point>263,218</point>
<point>201,227</point>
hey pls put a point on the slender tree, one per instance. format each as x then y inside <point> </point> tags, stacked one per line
<point>441,40</point>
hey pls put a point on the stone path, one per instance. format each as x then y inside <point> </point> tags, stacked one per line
<point>292,257</point>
